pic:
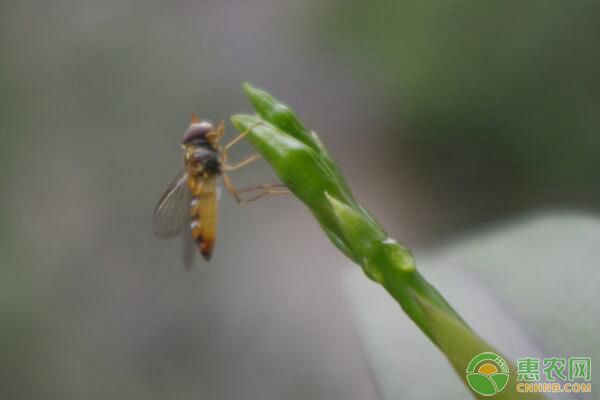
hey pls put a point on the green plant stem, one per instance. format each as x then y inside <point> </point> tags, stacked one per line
<point>304,166</point>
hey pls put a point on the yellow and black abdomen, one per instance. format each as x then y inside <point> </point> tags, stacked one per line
<point>203,166</point>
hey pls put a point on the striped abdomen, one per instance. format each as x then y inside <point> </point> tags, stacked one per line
<point>203,213</point>
<point>202,181</point>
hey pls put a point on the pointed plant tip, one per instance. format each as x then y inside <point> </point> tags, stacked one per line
<point>244,119</point>
<point>238,117</point>
<point>238,121</point>
<point>402,257</point>
<point>351,222</point>
<point>256,94</point>
<point>330,198</point>
<point>338,207</point>
<point>248,88</point>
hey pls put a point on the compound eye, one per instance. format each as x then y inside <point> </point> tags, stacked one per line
<point>197,131</point>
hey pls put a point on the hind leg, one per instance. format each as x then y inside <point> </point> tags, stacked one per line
<point>263,190</point>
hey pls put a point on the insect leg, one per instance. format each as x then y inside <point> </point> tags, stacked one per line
<point>264,193</point>
<point>241,164</point>
<point>264,190</point>
<point>231,189</point>
<point>279,186</point>
<point>214,135</point>
<point>225,150</point>
<point>220,129</point>
<point>274,189</point>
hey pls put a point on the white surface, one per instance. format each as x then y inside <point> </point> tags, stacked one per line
<point>530,289</point>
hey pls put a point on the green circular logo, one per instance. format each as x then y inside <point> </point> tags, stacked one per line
<point>487,374</point>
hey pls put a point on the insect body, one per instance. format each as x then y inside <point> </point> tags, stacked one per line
<point>202,165</point>
<point>190,202</point>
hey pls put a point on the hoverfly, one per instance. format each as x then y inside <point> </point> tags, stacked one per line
<point>189,204</point>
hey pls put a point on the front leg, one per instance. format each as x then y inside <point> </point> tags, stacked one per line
<point>241,164</point>
<point>225,149</point>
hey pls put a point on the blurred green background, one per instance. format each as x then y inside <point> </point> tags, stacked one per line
<point>444,116</point>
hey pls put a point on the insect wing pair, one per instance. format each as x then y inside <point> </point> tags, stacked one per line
<point>173,215</point>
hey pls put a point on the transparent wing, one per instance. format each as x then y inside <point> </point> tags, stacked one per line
<point>172,211</point>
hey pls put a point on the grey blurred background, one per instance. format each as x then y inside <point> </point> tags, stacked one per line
<point>445,117</point>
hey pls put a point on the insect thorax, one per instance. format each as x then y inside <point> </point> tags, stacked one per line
<point>202,158</point>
